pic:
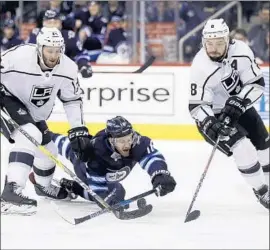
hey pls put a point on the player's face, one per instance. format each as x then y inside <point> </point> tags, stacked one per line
<point>123,144</point>
<point>215,48</point>
<point>51,56</point>
<point>52,23</point>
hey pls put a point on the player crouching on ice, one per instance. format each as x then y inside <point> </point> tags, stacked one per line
<point>110,157</point>
<point>32,77</point>
<point>222,94</point>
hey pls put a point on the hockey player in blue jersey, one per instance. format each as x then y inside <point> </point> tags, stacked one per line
<point>73,46</point>
<point>110,158</point>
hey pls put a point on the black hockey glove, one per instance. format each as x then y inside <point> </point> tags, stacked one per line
<point>86,71</point>
<point>234,108</point>
<point>80,142</point>
<point>213,128</point>
<point>72,187</point>
<point>163,180</point>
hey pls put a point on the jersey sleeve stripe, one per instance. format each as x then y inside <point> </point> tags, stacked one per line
<point>207,79</point>
<point>69,78</point>
<point>16,47</point>
<point>250,63</point>
<point>204,111</point>
<point>256,99</point>
<point>248,93</point>
<point>20,72</point>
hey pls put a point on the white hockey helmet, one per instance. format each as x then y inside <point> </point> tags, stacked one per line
<point>216,28</point>
<point>50,37</point>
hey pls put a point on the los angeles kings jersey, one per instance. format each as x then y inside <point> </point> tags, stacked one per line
<point>212,83</point>
<point>23,78</point>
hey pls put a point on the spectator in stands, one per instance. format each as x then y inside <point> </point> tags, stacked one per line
<point>249,9</point>
<point>240,34</point>
<point>194,13</point>
<point>8,9</point>
<point>92,34</point>
<point>116,48</point>
<point>258,33</point>
<point>266,57</point>
<point>114,8</point>
<point>159,12</point>
<point>10,38</point>
<point>268,48</point>
<point>73,47</point>
<point>63,8</point>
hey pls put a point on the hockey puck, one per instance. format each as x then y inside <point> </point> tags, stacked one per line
<point>141,203</point>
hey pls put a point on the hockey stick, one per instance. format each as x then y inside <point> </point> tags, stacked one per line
<point>98,199</point>
<point>143,210</point>
<point>196,213</point>
<point>148,63</point>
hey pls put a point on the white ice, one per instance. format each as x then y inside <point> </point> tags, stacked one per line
<point>231,217</point>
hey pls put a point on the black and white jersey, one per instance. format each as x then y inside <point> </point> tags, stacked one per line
<point>212,83</point>
<point>23,78</point>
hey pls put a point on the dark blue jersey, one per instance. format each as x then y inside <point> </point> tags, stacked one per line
<point>117,42</point>
<point>97,24</point>
<point>105,165</point>
<point>9,43</point>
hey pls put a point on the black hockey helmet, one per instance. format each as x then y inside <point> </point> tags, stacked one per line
<point>118,127</point>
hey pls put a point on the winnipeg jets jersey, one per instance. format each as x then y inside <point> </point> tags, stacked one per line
<point>212,83</point>
<point>23,78</point>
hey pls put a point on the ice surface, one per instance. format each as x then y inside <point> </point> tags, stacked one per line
<point>231,218</point>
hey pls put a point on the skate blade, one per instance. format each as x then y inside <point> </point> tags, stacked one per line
<point>23,210</point>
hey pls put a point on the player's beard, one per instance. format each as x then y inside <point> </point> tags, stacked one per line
<point>51,63</point>
<point>216,58</point>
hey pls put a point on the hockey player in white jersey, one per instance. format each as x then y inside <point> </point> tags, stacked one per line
<point>225,82</point>
<point>32,76</point>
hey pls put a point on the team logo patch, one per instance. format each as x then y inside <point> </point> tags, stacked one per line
<point>232,82</point>
<point>118,175</point>
<point>40,95</point>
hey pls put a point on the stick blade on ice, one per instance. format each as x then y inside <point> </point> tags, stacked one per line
<point>192,216</point>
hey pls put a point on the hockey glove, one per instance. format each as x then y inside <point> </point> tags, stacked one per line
<point>164,181</point>
<point>72,187</point>
<point>213,128</point>
<point>234,108</point>
<point>86,71</point>
<point>80,142</point>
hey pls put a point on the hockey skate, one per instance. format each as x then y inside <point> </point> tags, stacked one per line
<point>51,192</point>
<point>13,202</point>
<point>263,195</point>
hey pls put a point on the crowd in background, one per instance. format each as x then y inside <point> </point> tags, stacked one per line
<point>103,27</point>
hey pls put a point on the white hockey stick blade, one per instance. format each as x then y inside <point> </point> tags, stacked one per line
<point>62,214</point>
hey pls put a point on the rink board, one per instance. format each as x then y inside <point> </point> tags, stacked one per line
<point>155,131</point>
<point>155,102</point>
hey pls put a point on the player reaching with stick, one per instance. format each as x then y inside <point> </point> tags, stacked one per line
<point>225,82</point>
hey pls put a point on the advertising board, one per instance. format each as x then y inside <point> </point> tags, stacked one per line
<point>156,101</point>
